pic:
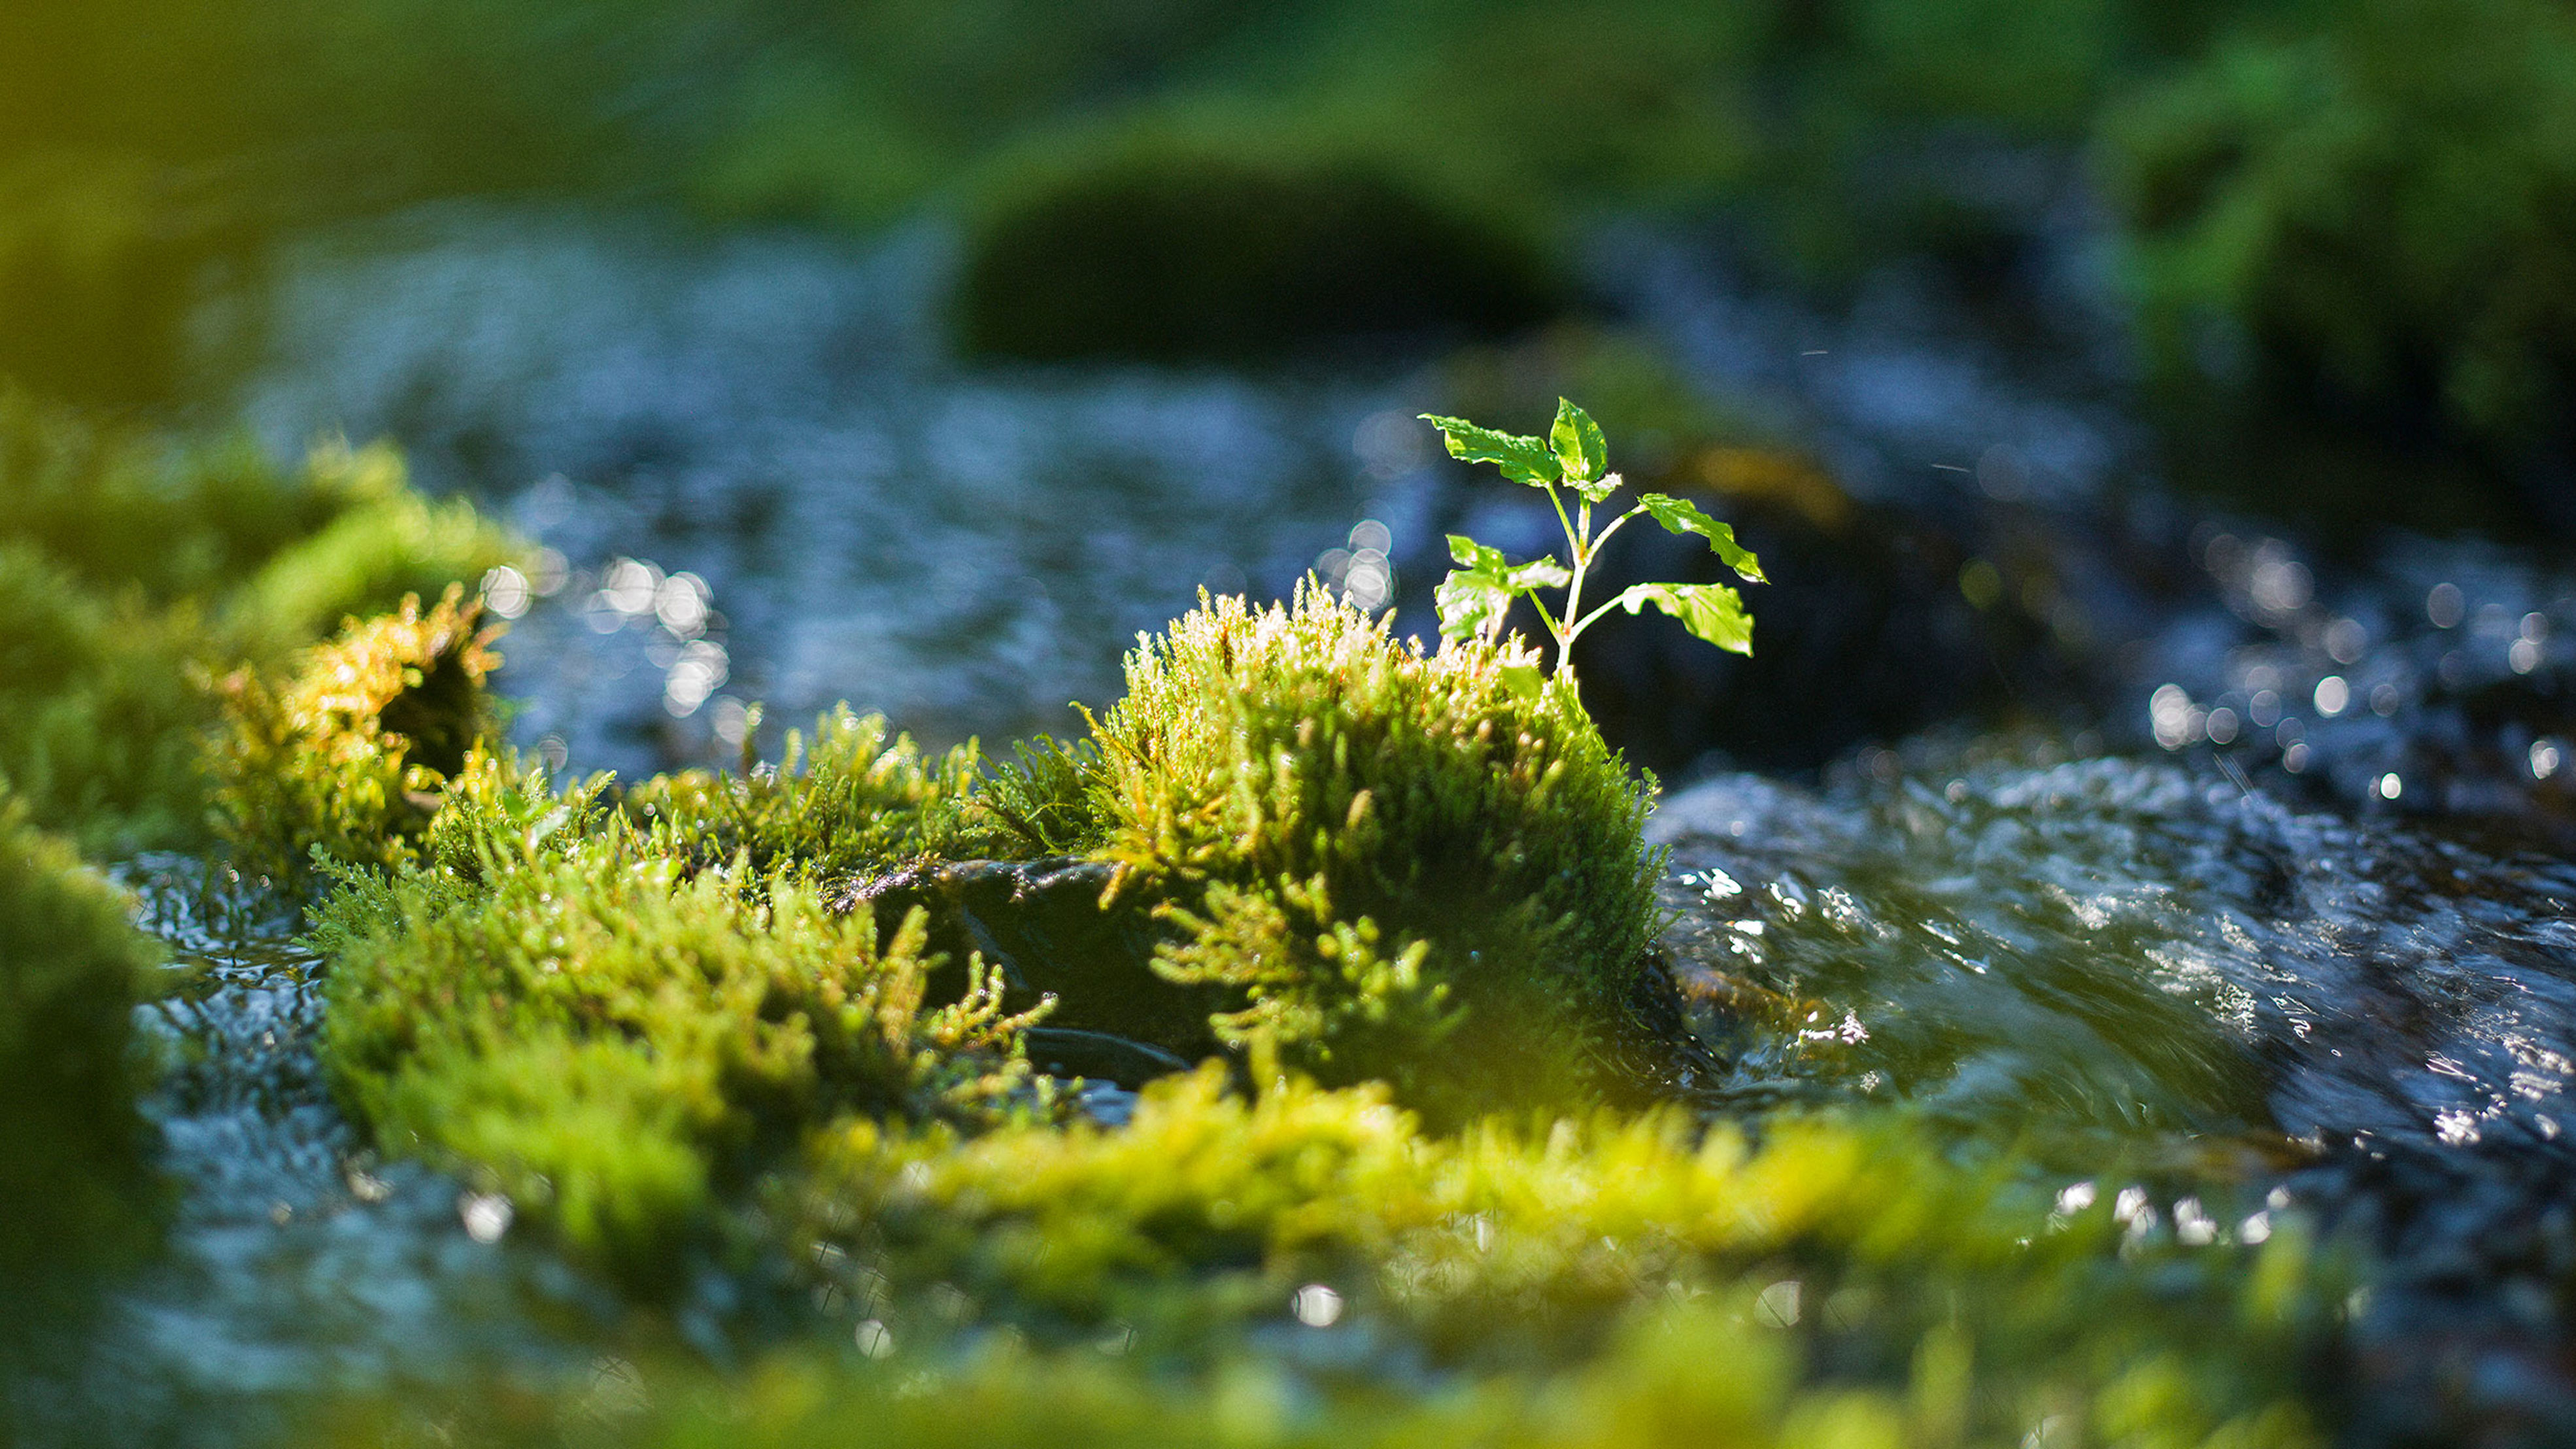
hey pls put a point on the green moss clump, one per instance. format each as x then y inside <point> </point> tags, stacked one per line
<point>351,757</point>
<point>1509,1250</point>
<point>2369,216</point>
<point>853,800</point>
<point>72,967</point>
<point>379,542</point>
<point>1615,1280</point>
<point>1410,871</point>
<point>1165,253</point>
<point>132,569</point>
<point>611,1040</point>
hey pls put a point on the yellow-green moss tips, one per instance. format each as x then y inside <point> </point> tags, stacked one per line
<point>611,1040</point>
<point>351,756</point>
<point>1409,867</point>
<point>133,570</point>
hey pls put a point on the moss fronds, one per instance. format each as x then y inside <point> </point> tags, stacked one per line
<point>1511,1245</point>
<point>1364,837</point>
<point>1041,799</point>
<point>611,1039</point>
<point>383,542</point>
<point>352,755</point>
<point>854,798</point>
<point>131,568</point>
<point>72,967</point>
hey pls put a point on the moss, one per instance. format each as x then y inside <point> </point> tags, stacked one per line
<point>2364,219</point>
<point>350,757</point>
<point>1522,1248</point>
<point>383,541</point>
<point>855,799</point>
<point>611,1040</point>
<point>72,1178</point>
<point>1607,1281</point>
<point>1165,252</point>
<point>132,567</point>
<point>1386,852</point>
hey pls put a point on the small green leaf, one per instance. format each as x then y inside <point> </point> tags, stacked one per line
<point>1479,592</point>
<point>1472,603</point>
<point>1523,460</point>
<point>1522,680</point>
<point>1580,447</point>
<point>1540,573</point>
<point>1680,515</point>
<point>1713,612</point>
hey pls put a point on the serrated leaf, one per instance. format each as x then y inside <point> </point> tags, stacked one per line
<point>1680,515</point>
<point>1472,602</point>
<point>1538,573</point>
<point>1599,489</point>
<point>1523,460</point>
<point>1713,612</point>
<point>1580,448</point>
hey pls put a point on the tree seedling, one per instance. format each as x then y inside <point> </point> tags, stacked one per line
<point>1478,593</point>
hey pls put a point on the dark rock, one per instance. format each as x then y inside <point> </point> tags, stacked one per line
<point>1116,1020</point>
<point>1162,253</point>
<point>1042,923</point>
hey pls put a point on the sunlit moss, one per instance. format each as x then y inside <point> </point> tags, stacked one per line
<point>73,1187</point>
<point>853,799</point>
<point>1411,871</point>
<point>382,542</point>
<point>133,568</point>
<point>1313,1268</point>
<point>351,755</point>
<point>1846,1256</point>
<point>610,1039</point>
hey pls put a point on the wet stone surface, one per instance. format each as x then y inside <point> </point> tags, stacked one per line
<point>1041,924</point>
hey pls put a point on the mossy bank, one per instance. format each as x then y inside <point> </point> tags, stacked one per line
<point>1413,908</point>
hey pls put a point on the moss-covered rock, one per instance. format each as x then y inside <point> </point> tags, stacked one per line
<point>73,1185</point>
<point>2366,220</point>
<point>1410,871</point>
<point>1313,1267</point>
<point>133,568</point>
<point>612,1040</point>
<point>1162,252</point>
<point>351,758</point>
<point>855,798</point>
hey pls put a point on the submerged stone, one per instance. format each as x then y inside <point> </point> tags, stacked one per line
<point>1042,924</point>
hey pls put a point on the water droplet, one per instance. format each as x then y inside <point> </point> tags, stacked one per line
<point>486,1215</point>
<point>2445,606</point>
<point>1316,1306</point>
<point>1777,1307</point>
<point>506,592</point>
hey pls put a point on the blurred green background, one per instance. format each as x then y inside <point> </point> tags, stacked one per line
<point>2325,225</point>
